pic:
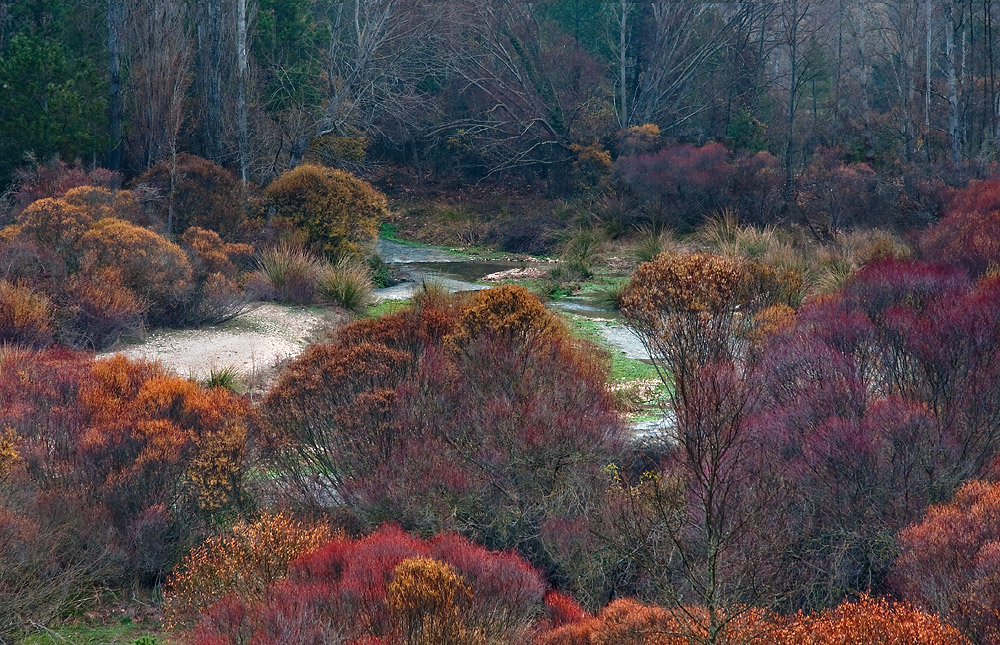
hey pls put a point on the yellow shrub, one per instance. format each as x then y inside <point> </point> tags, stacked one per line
<point>54,224</point>
<point>341,212</point>
<point>425,597</point>
<point>243,562</point>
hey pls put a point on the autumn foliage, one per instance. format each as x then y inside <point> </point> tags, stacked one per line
<point>388,587</point>
<point>244,561</point>
<point>137,446</point>
<point>450,416</point>
<point>969,233</point>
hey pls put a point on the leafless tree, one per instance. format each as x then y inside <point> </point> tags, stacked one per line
<point>375,57</point>
<point>243,63</point>
<point>797,29</point>
<point>116,20</point>
<point>685,41</point>
<point>160,76</point>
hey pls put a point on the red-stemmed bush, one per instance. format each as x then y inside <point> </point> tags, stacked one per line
<point>880,401</point>
<point>393,587</point>
<point>969,233</point>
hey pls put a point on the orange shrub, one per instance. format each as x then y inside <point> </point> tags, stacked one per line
<point>205,195</point>
<point>155,269</point>
<point>25,316</point>
<point>628,622</point>
<point>867,621</point>
<point>244,561</point>
<point>950,561</point>
<point>341,212</point>
<point>508,313</point>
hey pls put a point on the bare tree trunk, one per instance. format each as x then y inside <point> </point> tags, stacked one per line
<point>623,115</point>
<point>866,112</point>
<point>949,63</point>
<point>115,17</point>
<point>929,17</point>
<point>3,24</point>
<point>210,62</point>
<point>244,79</point>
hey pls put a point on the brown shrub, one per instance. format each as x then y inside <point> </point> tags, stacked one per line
<point>205,195</point>
<point>100,310</point>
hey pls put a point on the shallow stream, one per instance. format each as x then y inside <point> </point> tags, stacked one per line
<point>456,273</point>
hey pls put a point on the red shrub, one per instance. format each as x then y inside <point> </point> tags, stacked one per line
<point>880,401</point>
<point>950,562</point>
<point>99,310</point>
<point>836,195</point>
<point>55,179</point>
<point>969,234</point>
<point>687,181</point>
<point>342,590</point>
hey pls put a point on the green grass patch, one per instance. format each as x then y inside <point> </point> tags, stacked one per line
<point>622,367</point>
<point>125,632</point>
<point>387,307</point>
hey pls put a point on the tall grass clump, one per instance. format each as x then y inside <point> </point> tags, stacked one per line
<point>653,240</point>
<point>347,283</point>
<point>292,272</point>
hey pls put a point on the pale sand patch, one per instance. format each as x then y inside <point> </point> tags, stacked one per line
<point>253,344</point>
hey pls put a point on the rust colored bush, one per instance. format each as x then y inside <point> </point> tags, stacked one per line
<point>950,563</point>
<point>211,254</point>
<point>156,270</point>
<point>205,195</point>
<point>868,620</point>
<point>244,561</point>
<point>25,316</point>
<point>126,438</point>
<point>99,310</point>
<point>502,441</point>
<point>629,622</point>
<point>341,212</point>
<point>510,314</point>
